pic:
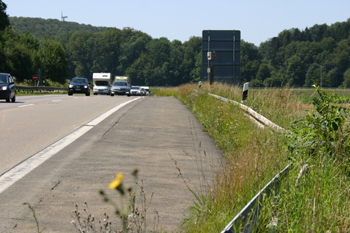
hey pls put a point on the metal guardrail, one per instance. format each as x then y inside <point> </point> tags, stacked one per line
<point>253,113</point>
<point>40,88</point>
<point>246,220</point>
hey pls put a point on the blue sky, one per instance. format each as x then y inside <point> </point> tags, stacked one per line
<point>258,20</point>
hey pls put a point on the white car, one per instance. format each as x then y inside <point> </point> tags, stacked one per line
<point>135,90</point>
<point>143,91</point>
<point>146,89</point>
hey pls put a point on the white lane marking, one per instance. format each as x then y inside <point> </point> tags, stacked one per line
<point>13,175</point>
<point>100,118</point>
<point>27,105</point>
<point>56,100</point>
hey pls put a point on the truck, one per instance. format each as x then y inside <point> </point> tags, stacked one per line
<point>121,86</point>
<point>123,78</point>
<point>102,83</point>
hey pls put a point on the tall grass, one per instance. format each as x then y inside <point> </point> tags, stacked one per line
<point>281,106</point>
<point>320,200</point>
<point>316,196</point>
<point>253,156</point>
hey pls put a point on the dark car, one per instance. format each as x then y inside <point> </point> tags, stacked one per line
<point>7,87</point>
<point>79,85</point>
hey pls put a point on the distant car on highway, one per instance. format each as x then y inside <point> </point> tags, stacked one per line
<point>143,91</point>
<point>120,88</point>
<point>147,90</point>
<point>7,87</point>
<point>79,85</point>
<point>135,90</point>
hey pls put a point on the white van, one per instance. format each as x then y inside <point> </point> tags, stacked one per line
<point>102,83</point>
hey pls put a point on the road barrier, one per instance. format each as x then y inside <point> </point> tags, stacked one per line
<point>246,220</point>
<point>263,120</point>
<point>40,88</point>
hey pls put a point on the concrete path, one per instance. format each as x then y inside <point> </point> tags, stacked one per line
<point>158,136</point>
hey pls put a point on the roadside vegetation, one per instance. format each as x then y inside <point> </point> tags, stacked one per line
<point>295,57</point>
<point>48,82</point>
<point>314,197</point>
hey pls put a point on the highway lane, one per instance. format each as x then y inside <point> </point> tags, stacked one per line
<point>34,122</point>
<point>154,135</point>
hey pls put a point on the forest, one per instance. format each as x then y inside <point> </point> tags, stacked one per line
<point>63,50</point>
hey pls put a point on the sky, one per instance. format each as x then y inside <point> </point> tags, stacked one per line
<point>258,20</point>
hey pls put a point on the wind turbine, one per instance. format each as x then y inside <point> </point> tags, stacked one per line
<point>63,17</point>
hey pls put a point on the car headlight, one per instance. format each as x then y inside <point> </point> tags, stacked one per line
<point>85,86</point>
<point>70,86</point>
<point>4,88</point>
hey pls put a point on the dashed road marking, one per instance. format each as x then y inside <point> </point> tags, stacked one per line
<point>16,173</point>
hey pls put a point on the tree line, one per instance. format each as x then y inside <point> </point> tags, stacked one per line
<point>63,50</point>
<point>320,54</point>
<point>79,53</point>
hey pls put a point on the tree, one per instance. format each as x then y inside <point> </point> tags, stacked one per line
<point>263,72</point>
<point>131,49</point>
<point>55,63</point>
<point>332,79</point>
<point>286,37</point>
<point>295,71</point>
<point>250,61</point>
<point>312,75</point>
<point>18,54</point>
<point>159,52</point>
<point>4,20</point>
<point>346,82</point>
<point>191,49</point>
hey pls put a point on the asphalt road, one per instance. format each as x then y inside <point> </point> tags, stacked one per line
<point>34,122</point>
<point>158,136</point>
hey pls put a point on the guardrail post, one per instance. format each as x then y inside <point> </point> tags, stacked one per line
<point>245,92</point>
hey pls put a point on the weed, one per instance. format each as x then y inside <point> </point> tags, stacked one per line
<point>132,214</point>
<point>315,197</point>
<point>35,218</point>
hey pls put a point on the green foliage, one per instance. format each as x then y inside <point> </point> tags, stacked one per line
<point>346,82</point>
<point>322,132</point>
<point>55,63</point>
<point>87,49</point>
<point>295,57</point>
<point>314,197</point>
<point>4,20</point>
<point>252,155</point>
<point>250,59</point>
<point>18,54</point>
<point>41,28</point>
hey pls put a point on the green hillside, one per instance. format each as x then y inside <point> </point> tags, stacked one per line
<point>43,28</point>
<point>295,57</point>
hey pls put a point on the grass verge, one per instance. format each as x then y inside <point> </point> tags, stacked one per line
<point>319,202</point>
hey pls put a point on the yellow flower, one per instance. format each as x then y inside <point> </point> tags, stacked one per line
<point>118,180</point>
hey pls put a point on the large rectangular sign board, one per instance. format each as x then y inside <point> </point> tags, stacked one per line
<point>227,47</point>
